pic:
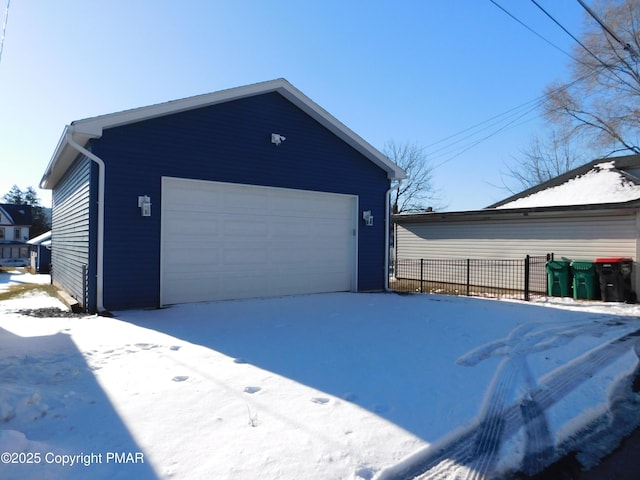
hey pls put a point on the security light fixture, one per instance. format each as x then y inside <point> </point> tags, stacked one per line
<point>368,218</point>
<point>144,203</point>
<point>277,139</point>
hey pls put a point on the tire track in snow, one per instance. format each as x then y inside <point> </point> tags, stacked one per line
<point>489,435</point>
<point>461,451</point>
<point>539,442</point>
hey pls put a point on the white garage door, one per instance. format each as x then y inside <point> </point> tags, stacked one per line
<point>223,241</point>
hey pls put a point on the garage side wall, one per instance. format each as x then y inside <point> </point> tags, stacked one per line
<point>71,249</point>
<point>584,238</point>
<point>230,142</point>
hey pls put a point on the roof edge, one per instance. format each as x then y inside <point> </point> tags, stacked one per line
<point>86,129</point>
<point>6,214</point>
<point>620,162</point>
<point>489,213</point>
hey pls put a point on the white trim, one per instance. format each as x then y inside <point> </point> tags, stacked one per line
<point>9,217</point>
<point>356,242</point>
<point>387,227</point>
<point>100,245</point>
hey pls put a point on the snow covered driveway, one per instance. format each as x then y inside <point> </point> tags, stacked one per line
<point>333,386</point>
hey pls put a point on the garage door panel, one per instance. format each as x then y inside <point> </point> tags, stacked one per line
<point>182,259</point>
<point>241,241</point>
<point>183,229</point>
<point>286,256</point>
<point>245,227</point>
<point>237,199</point>
<point>282,231</point>
<point>239,285</point>
<point>194,201</point>
<point>243,256</point>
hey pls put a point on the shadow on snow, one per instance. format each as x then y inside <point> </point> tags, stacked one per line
<point>52,405</point>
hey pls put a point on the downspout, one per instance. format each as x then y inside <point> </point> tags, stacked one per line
<point>387,225</point>
<point>101,174</point>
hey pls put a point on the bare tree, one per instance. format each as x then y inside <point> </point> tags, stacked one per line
<point>602,97</point>
<point>417,192</point>
<point>544,157</point>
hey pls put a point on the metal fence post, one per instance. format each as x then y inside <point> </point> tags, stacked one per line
<point>526,277</point>
<point>468,274</point>
<point>421,275</point>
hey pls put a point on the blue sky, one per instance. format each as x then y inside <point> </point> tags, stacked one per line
<point>408,71</point>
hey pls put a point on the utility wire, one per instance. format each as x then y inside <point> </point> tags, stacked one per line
<point>499,120</point>
<point>464,140</point>
<point>484,122</point>
<point>625,46</point>
<point>531,29</point>
<point>467,137</point>
<point>570,34</point>
<point>609,68</point>
<point>496,121</point>
<point>511,124</point>
<point>4,28</point>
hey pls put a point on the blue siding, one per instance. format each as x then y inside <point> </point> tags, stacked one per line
<point>71,233</point>
<point>230,142</point>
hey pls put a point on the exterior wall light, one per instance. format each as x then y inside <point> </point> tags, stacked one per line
<point>144,202</point>
<point>368,218</point>
<point>277,139</point>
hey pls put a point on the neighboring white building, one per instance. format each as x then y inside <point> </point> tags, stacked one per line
<point>587,213</point>
<point>15,221</point>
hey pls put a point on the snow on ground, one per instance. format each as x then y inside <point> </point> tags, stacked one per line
<point>19,276</point>
<point>602,184</point>
<point>332,386</point>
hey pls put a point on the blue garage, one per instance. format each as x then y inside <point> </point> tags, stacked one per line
<point>248,192</point>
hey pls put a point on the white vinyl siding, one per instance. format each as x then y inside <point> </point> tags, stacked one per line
<point>225,241</point>
<point>574,238</point>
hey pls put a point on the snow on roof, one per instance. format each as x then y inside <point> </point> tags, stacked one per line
<point>41,239</point>
<point>602,184</point>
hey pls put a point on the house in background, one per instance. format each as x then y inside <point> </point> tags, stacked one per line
<point>590,212</point>
<point>15,221</point>
<point>248,192</point>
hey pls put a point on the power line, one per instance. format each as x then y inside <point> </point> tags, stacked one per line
<point>625,46</point>
<point>4,28</point>
<point>512,117</point>
<point>609,68</point>
<point>570,34</point>
<point>466,139</point>
<point>511,124</point>
<point>531,29</point>
<point>471,132</point>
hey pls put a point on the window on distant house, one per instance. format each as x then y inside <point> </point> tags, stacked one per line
<point>1,233</point>
<point>17,234</point>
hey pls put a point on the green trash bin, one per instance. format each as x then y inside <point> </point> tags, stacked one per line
<point>584,280</point>
<point>558,278</point>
